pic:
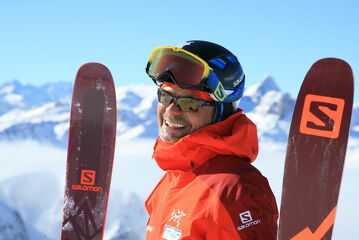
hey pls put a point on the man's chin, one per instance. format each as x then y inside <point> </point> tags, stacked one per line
<point>169,139</point>
<point>168,136</point>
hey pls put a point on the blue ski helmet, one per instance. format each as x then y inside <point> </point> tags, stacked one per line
<point>225,83</point>
<point>226,68</point>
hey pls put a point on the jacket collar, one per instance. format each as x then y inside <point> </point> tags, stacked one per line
<point>235,136</point>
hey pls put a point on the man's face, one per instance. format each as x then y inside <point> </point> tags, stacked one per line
<point>175,124</point>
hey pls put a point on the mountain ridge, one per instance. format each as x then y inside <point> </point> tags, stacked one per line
<point>42,113</point>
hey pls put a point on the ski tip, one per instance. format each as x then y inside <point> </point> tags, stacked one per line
<point>94,69</point>
<point>329,67</point>
<point>332,61</point>
<point>92,72</point>
<point>95,66</point>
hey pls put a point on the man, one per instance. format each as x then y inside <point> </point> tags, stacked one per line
<point>206,146</point>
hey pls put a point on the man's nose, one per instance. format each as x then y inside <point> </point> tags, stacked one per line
<point>173,108</point>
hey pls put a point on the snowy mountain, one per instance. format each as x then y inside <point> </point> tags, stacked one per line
<point>269,108</point>
<point>15,95</point>
<point>42,113</point>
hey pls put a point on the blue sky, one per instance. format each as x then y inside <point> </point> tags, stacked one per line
<point>46,41</point>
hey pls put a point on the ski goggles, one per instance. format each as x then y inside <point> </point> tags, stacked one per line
<point>184,68</point>
<point>188,71</point>
<point>185,104</point>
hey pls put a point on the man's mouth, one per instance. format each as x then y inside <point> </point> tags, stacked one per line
<point>173,124</point>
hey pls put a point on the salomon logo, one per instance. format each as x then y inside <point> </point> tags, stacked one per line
<point>247,220</point>
<point>246,217</point>
<point>322,116</point>
<point>88,177</point>
<point>87,182</point>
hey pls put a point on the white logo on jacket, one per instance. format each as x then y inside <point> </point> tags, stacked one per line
<point>247,220</point>
<point>176,216</point>
<point>246,217</point>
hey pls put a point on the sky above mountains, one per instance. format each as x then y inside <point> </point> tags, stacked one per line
<point>46,41</point>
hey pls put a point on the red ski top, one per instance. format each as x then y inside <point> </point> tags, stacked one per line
<point>210,190</point>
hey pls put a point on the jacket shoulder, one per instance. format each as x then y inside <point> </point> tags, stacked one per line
<point>229,177</point>
<point>244,196</point>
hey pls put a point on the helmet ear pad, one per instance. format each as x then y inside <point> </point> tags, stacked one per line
<point>222,110</point>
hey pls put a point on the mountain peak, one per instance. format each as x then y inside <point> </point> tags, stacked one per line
<point>268,84</point>
<point>14,82</point>
<point>9,86</point>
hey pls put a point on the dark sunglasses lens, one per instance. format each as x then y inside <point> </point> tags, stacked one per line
<point>184,104</point>
<point>188,104</point>
<point>185,69</point>
<point>164,98</point>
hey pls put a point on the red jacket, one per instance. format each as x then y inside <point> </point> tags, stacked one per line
<point>210,190</point>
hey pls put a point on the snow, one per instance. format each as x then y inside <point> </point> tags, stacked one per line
<point>45,113</point>
<point>13,99</point>
<point>61,129</point>
<point>265,122</point>
<point>7,89</point>
<point>135,131</point>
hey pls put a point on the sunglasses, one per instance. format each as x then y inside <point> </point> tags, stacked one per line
<point>185,104</point>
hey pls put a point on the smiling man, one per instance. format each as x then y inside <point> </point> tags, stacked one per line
<point>175,123</point>
<point>206,146</point>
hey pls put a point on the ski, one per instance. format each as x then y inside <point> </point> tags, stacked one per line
<point>316,151</point>
<point>91,145</point>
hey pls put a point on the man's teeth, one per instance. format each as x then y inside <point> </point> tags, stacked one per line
<point>174,125</point>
